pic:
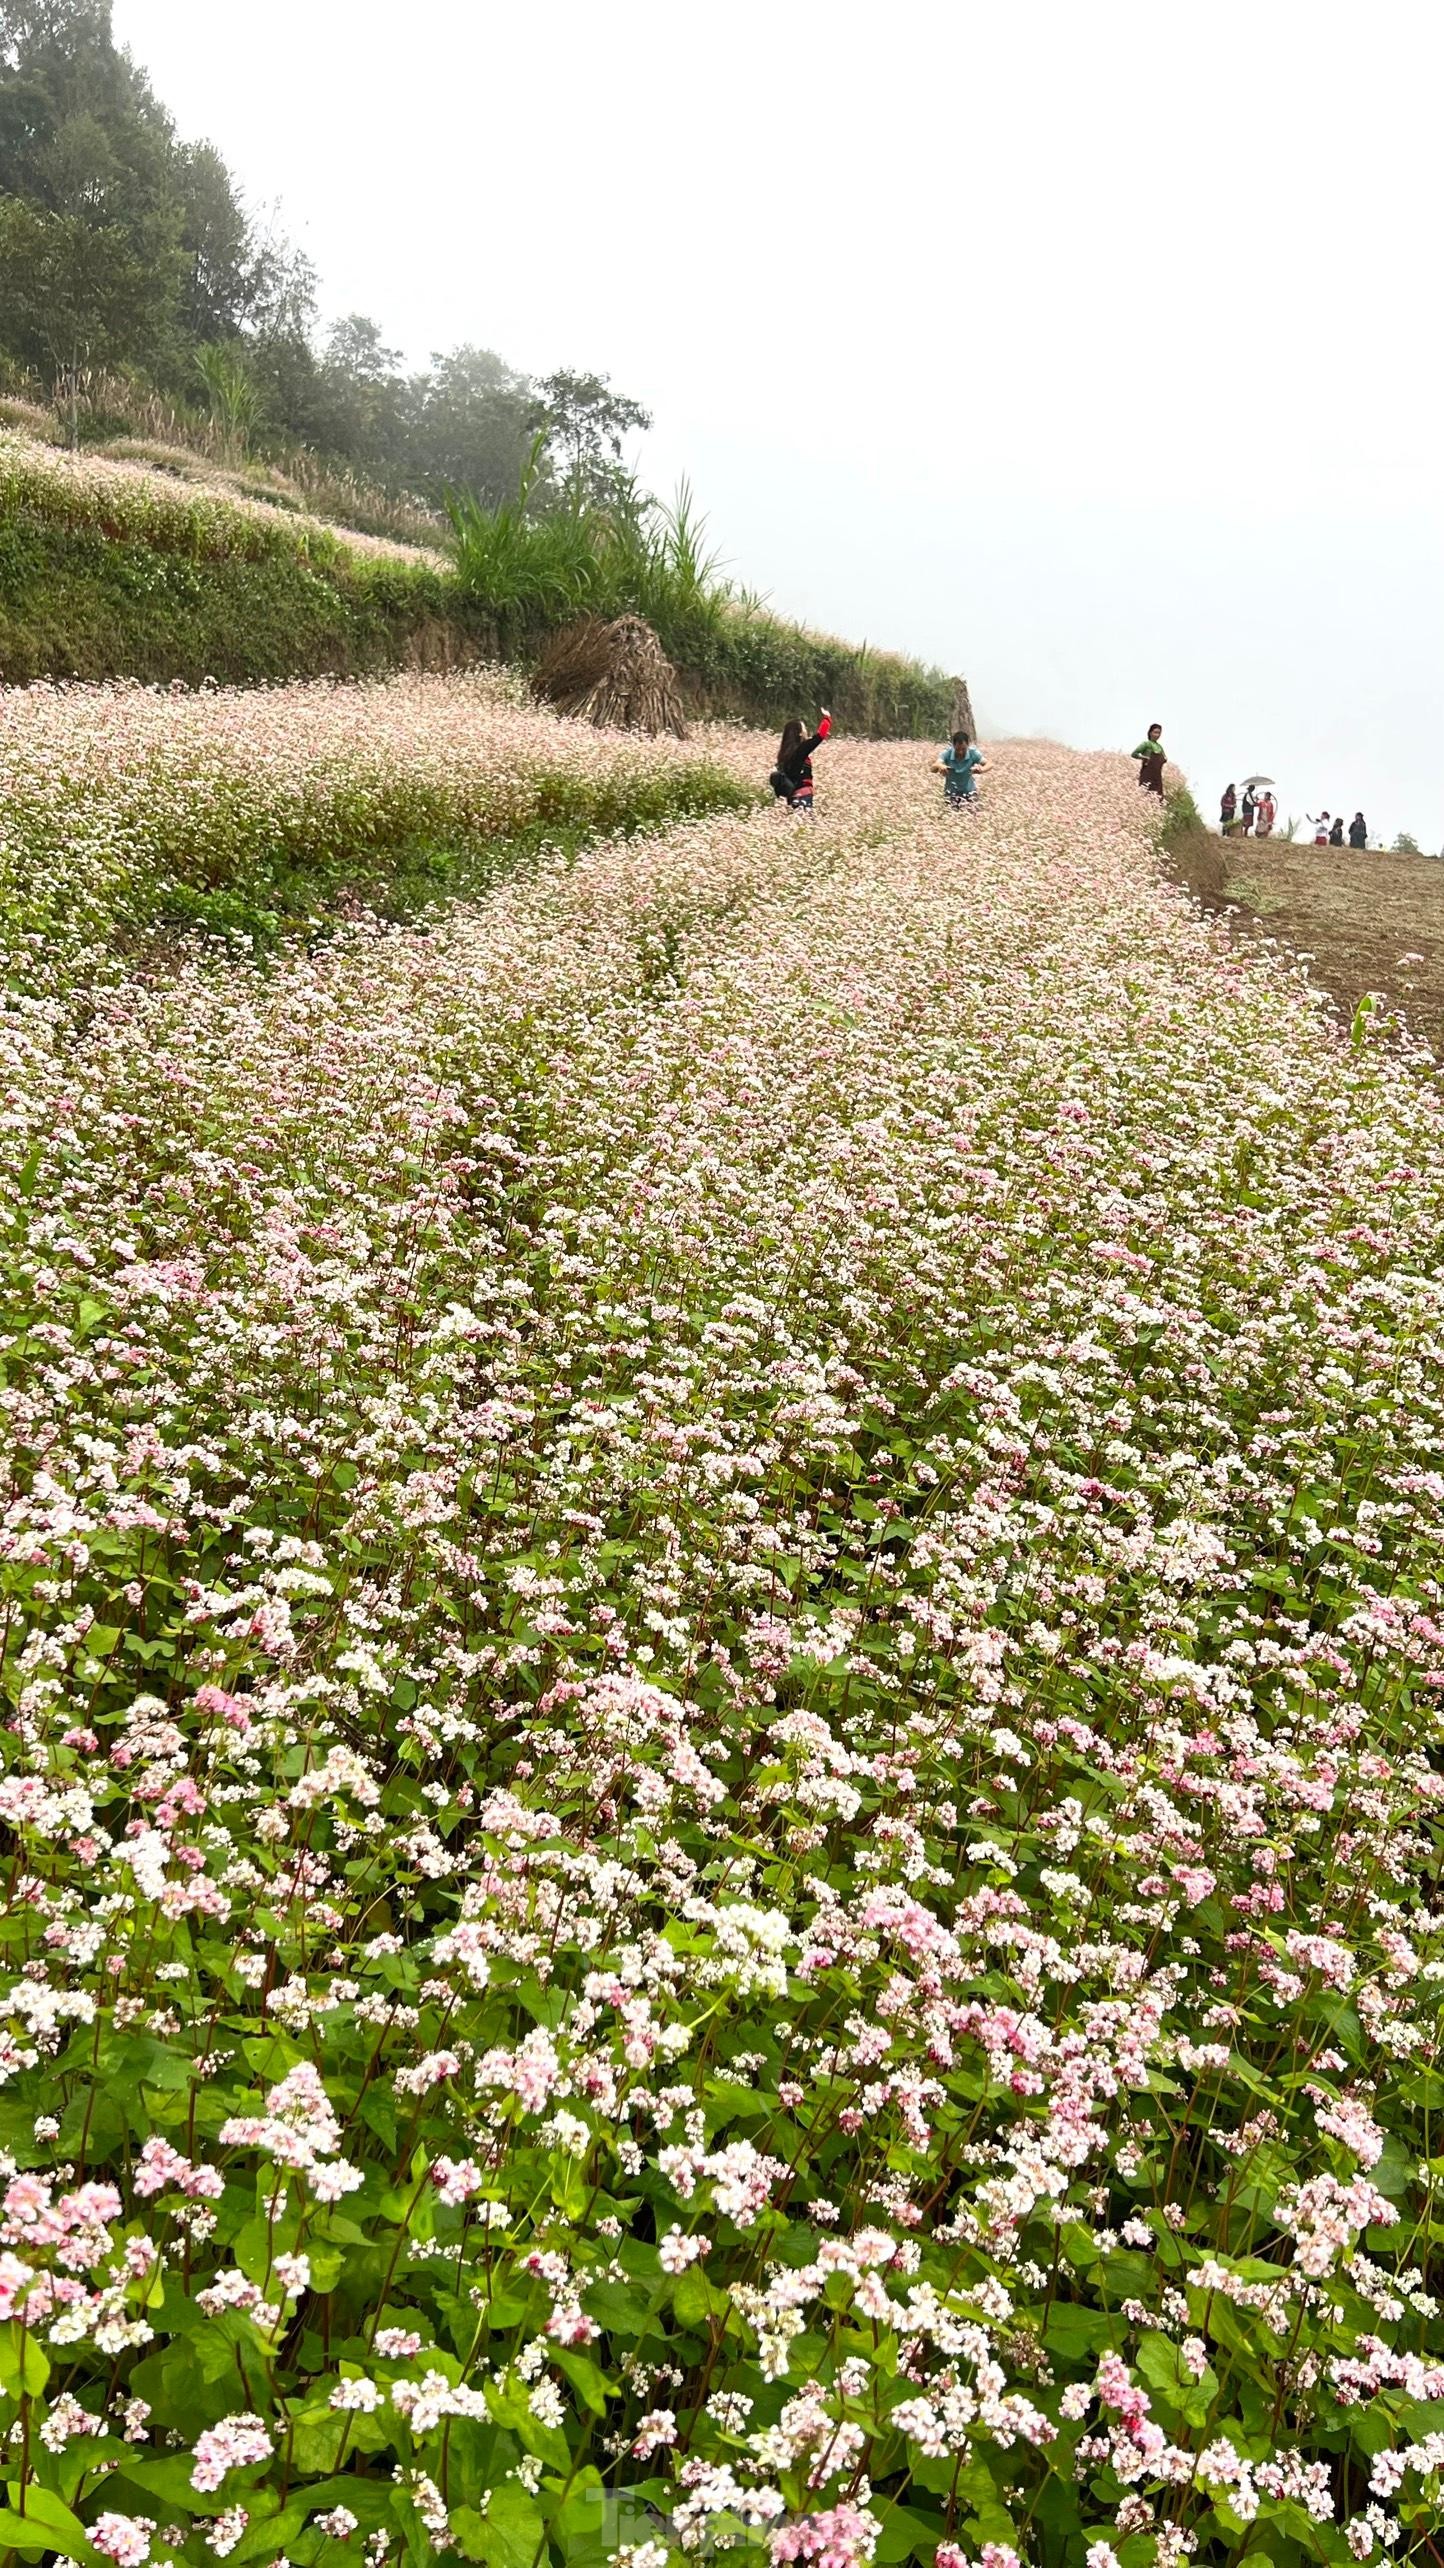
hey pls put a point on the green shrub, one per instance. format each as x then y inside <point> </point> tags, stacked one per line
<point>1181,815</point>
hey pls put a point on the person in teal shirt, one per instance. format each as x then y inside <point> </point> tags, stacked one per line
<point>958,765</point>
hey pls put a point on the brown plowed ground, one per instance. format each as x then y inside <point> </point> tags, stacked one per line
<point>1364,923</point>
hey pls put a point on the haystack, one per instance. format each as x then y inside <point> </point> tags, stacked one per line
<point>617,674</point>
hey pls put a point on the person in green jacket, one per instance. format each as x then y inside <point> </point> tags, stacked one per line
<point>1152,758</point>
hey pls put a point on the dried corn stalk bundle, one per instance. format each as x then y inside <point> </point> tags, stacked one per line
<point>615,674</point>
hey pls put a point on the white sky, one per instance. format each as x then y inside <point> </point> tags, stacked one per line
<point>1092,351</point>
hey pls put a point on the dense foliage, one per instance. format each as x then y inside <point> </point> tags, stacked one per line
<point>130,264</point>
<point>723,1634</point>
<point>532,570</point>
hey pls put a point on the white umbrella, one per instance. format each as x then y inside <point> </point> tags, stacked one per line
<point>1251,784</point>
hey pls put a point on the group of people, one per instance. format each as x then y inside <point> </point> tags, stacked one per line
<point>1252,814</point>
<point>1329,830</point>
<point>1253,817</point>
<point>792,779</point>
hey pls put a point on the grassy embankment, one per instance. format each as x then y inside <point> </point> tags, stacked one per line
<point>112,569</point>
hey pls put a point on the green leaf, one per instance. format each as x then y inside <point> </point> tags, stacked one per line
<point>317,2434</point>
<point>24,2364</point>
<point>615,2307</point>
<point>1393,2172</point>
<point>592,2384</point>
<point>508,2535</point>
<point>45,2523</point>
<point>1076,2332</point>
<point>1162,2365</point>
<point>265,2538</point>
<point>591,2524</point>
<point>695,2300</point>
<point>569,2188</point>
<point>167,2478</point>
<point>908,2534</point>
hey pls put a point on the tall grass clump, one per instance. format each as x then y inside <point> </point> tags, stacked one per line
<point>530,569</point>
<point>1191,852</point>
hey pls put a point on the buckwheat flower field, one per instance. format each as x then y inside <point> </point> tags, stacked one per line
<point>192,516</point>
<point>723,1636</point>
<point>127,807</point>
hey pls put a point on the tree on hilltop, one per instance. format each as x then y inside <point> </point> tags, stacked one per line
<point>125,250</point>
<point>470,420</point>
<point>584,423</point>
<point>118,244</point>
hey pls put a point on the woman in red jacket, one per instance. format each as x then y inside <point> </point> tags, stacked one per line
<point>792,775</point>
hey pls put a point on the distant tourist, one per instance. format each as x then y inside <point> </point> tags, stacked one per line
<point>958,764</point>
<point>1265,816</point>
<point>1152,758</point>
<point>1336,834</point>
<point>1320,824</point>
<point>792,775</point>
<point>1228,810</point>
<point>1358,832</point>
<point>1246,813</point>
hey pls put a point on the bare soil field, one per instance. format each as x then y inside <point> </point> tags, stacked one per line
<point>1362,923</point>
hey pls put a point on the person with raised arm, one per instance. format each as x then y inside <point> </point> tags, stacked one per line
<point>792,775</point>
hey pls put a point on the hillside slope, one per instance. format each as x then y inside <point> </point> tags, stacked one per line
<point>111,569</point>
